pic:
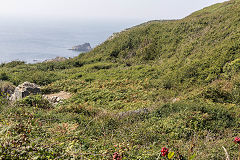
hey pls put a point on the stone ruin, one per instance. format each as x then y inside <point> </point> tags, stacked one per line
<point>24,90</point>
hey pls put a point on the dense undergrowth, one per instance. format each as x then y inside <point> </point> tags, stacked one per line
<point>163,83</point>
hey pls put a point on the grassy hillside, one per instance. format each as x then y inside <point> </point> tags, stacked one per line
<point>172,84</point>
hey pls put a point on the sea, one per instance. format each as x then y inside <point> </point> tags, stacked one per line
<point>34,41</point>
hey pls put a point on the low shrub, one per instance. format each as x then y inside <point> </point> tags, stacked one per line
<point>35,101</point>
<point>3,76</point>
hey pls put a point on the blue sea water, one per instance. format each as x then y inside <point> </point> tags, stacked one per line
<point>36,41</point>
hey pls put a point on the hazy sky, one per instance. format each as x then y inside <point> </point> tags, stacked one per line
<point>102,9</point>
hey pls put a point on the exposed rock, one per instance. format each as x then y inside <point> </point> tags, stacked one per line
<point>113,36</point>
<point>24,90</point>
<point>175,100</point>
<point>86,47</point>
<point>116,34</point>
<point>57,59</point>
<point>57,97</point>
<point>54,99</point>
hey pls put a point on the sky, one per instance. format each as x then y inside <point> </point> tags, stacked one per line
<point>101,9</point>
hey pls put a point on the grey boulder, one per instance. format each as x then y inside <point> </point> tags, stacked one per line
<point>24,90</point>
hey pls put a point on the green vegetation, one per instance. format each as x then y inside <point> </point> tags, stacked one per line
<point>172,84</point>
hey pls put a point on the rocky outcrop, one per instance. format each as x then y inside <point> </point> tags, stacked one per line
<point>57,59</point>
<point>57,97</point>
<point>113,36</point>
<point>24,90</point>
<point>86,47</point>
<point>175,100</point>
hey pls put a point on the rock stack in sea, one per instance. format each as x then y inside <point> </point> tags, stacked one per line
<point>86,47</point>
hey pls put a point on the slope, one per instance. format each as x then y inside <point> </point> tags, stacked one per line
<point>162,83</point>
